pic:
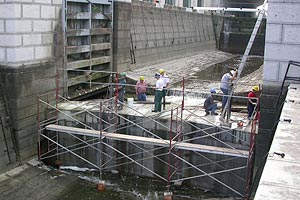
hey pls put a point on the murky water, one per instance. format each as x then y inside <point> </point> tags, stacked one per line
<point>120,187</point>
<point>215,73</point>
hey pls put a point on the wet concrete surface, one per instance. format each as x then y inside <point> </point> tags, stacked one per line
<point>28,182</point>
<point>182,67</point>
<point>194,111</point>
<point>204,71</point>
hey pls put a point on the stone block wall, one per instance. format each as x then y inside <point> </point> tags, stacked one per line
<point>27,30</point>
<point>7,152</point>
<point>146,34</point>
<point>282,44</point>
<point>30,54</point>
<point>282,39</point>
<point>26,84</point>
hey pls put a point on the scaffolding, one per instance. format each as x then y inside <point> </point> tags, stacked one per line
<point>186,145</point>
<point>99,126</point>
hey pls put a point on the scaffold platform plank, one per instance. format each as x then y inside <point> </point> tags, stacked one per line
<point>151,141</point>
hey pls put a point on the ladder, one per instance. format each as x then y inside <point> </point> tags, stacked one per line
<point>226,110</point>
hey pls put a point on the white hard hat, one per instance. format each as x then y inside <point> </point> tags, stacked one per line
<point>232,72</point>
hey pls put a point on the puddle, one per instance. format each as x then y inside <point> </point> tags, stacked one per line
<point>211,76</point>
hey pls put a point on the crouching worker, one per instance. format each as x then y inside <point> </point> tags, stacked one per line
<point>158,93</point>
<point>209,104</point>
<point>140,89</point>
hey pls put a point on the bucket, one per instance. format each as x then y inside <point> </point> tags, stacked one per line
<point>101,186</point>
<point>130,102</point>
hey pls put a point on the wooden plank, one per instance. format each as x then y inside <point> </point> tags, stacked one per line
<point>101,31</point>
<point>86,15</point>
<point>85,63</point>
<point>151,141</point>
<point>77,49</point>
<point>86,48</point>
<point>85,78</point>
<point>86,32</point>
<point>101,60</point>
<point>101,46</point>
<point>79,15</point>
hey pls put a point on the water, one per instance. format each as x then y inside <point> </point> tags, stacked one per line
<point>215,72</point>
<point>120,187</point>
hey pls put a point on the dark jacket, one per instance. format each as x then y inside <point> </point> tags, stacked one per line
<point>208,101</point>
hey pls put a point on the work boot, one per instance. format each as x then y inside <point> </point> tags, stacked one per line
<point>206,113</point>
<point>214,113</point>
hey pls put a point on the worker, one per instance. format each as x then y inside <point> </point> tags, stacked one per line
<point>159,86</point>
<point>209,104</point>
<point>140,89</point>
<point>226,86</point>
<point>252,100</point>
<point>121,86</point>
<point>166,81</point>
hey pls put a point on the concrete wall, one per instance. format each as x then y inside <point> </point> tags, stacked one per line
<point>146,34</point>
<point>29,54</point>
<point>282,39</point>
<point>282,45</point>
<point>27,29</point>
<point>121,35</point>
<point>7,153</point>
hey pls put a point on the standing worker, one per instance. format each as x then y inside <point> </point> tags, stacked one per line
<point>226,86</point>
<point>140,89</point>
<point>159,86</point>
<point>209,104</point>
<point>252,100</point>
<point>166,81</point>
<point>121,87</point>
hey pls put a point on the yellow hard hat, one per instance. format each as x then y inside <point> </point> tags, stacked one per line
<point>142,78</point>
<point>161,71</point>
<point>255,88</point>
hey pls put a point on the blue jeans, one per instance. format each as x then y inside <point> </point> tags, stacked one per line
<point>121,95</point>
<point>212,108</point>
<point>224,98</point>
<point>250,109</point>
<point>142,97</point>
